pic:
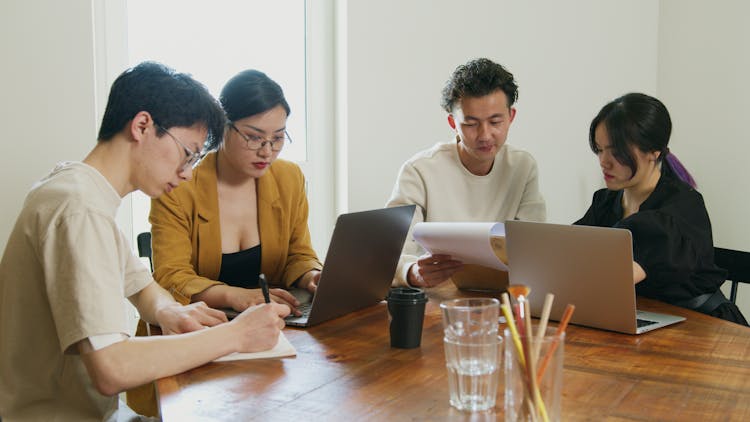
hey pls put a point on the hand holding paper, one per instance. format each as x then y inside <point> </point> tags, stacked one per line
<point>470,243</point>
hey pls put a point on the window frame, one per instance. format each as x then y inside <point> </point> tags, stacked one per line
<point>319,168</point>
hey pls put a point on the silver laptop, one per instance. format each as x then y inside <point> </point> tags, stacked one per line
<point>359,266</point>
<point>589,267</point>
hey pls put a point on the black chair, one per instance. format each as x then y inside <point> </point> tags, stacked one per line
<point>738,265</point>
<point>144,248</point>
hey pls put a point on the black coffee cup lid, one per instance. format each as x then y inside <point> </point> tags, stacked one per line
<point>409,294</point>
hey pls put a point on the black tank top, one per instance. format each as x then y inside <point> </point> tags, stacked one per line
<point>241,269</point>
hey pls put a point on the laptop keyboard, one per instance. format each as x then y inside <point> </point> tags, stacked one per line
<point>305,309</point>
<point>644,322</point>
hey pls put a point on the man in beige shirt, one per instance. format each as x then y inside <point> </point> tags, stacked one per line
<point>64,349</point>
<point>475,176</point>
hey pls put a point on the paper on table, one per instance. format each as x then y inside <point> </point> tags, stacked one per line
<point>469,243</point>
<point>282,349</point>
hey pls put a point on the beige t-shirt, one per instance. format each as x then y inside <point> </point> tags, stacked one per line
<point>445,191</point>
<point>63,277</point>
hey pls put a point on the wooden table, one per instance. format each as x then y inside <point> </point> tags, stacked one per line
<point>345,369</point>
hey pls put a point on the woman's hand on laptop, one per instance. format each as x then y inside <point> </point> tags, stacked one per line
<point>431,270</point>
<point>240,299</point>
<point>309,281</point>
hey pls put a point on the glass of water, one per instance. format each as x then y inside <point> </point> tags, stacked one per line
<point>472,351</point>
<point>474,370</point>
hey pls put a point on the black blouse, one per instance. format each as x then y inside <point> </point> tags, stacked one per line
<point>241,269</point>
<point>672,239</point>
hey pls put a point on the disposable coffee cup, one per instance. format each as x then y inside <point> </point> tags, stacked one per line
<point>406,313</point>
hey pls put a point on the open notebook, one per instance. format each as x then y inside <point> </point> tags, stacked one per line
<point>282,349</point>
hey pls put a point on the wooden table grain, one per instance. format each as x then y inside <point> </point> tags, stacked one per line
<point>345,370</point>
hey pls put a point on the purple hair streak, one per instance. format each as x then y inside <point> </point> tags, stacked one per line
<point>679,170</point>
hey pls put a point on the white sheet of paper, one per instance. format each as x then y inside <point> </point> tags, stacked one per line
<point>466,242</point>
<point>282,349</point>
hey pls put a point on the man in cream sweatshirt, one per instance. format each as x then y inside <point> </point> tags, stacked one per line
<point>474,177</point>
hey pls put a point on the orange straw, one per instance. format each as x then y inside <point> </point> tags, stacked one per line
<point>560,329</point>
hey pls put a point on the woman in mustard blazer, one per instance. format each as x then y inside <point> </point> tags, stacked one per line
<point>243,213</point>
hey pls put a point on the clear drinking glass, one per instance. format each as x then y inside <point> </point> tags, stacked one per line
<point>474,372</point>
<point>473,351</point>
<point>472,320</point>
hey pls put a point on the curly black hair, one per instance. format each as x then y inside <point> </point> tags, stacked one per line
<point>173,99</point>
<point>478,78</point>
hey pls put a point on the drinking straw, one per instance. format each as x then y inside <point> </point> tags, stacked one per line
<point>506,300</point>
<point>558,335</point>
<point>543,320</point>
<point>519,293</point>
<point>513,332</point>
<point>531,366</point>
<point>522,353</point>
<point>526,336</point>
<point>518,312</point>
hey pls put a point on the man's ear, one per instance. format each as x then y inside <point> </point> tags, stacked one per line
<point>451,122</point>
<point>512,113</point>
<point>140,124</point>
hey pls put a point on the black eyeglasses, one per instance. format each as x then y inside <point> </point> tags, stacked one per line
<point>256,142</point>
<point>192,158</point>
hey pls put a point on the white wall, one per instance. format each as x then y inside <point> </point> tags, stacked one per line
<point>704,66</point>
<point>568,61</point>
<point>47,110</point>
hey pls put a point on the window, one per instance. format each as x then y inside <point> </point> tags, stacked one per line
<point>213,41</point>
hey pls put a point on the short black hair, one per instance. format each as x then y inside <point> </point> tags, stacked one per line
<point>248,93</point>
<point>478,78</point>
<point>173,99</point>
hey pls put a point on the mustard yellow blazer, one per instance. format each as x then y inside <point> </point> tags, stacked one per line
<point>186,235</point>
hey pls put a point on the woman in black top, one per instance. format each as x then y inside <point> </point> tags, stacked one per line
<point>651,194</point>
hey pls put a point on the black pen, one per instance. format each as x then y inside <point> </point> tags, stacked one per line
<point>264,288</point>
